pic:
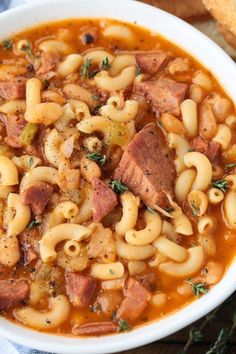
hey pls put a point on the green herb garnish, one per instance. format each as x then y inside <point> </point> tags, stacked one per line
<point>111,271</point>
<point>195,209</point>
<point>151,210</point>
<point>229,166</point>
<point>138,71</point>
<point>7,44</point>
<point>96,97</point>
<point>197,288</point>
<point>27,49</point>
<point>86,71</point>
<point>98,157</point>
<point>105,64</point>
<point>124,326</point>
<point>31,161</point>
<point>221,184</point>
<point>33,224</point>
<point>118,186</point>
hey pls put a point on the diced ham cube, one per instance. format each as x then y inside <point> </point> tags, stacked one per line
<point>164,95</point>
<point>12,90</point>
<point>209,148</point>
<point>14,125</point>
<point>136,300</point>
<point>80,288</point>
<point>152,62</point>
<point>49,61</point>
<point>37,196</point>
<point>12,293</point>
<point>104,199</point>
<point>147,168</point>
<point>109,301</point>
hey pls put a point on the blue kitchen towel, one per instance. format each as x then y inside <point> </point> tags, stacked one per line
<point>7,347</point>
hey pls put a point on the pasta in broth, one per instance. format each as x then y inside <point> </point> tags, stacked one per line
<point>117,187</point>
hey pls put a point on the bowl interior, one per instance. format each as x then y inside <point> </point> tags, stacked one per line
<point>221,66</point>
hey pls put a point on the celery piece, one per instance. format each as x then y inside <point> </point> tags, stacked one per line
<point>28,133</point>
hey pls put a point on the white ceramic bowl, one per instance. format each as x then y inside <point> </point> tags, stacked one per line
<point>222,67</point>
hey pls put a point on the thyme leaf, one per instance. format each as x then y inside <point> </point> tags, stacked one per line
<point>105,64</point>
<point>151,210</point>
<point>124,326</point>
<point>197,288</point>
<point>98,157</point>
<point>7,44</point>
<point>221,184</point>
<point>85,70</point>
<point>33,224</point>
<point>229,166</point>
<point>118,186</point>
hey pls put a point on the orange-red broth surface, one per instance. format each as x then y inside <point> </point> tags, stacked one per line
<point>48,279</point>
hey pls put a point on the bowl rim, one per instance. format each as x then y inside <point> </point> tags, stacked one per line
<point>155,330</point>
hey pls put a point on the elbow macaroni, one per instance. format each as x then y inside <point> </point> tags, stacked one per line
<point>148,234</point>
<point>130,205</point>
<point>57,234</point>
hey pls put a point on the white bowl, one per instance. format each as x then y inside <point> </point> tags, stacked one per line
<point>222,67</point>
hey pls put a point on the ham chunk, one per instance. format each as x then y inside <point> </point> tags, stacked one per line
<point>11,90</point>
<point>152,62</point>
<point>147,168</point>
<point>48,62</point>
<point>209,148</point>
<point>136,300</point>
<point>29,245</point>
<point>12,293</point>
<point>14,125</point>
<point>37,196</point>
<point>94,329</point>
<point>164,95</point>
<point>104,199</point>
<point>80,289</point>
<point>102,245</point>
<point>109,301</point>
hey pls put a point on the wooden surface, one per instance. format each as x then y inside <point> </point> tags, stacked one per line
<point>175,343</point>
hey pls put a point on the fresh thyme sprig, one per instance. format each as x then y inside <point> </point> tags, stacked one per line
<point>7,44</point>
<point>86,69</point>
<point>98,157</point>
<point>151,210</point>
<point>195,333</point>
<point>229,166</point>
<point>124,326</point>
<point>118,186</point>
<point>197,288</point>
<point>33,224</point>
<point>220,345</point>
<point>221,184</point>
<point>105,64</point>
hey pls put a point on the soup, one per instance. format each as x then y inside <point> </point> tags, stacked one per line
<point>118,180</point>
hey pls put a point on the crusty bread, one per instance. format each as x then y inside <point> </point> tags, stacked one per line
<point>181,8</point>
<point>224,11</point>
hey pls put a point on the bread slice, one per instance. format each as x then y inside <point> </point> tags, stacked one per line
<point>224,11</point>
<point>181,8</point>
